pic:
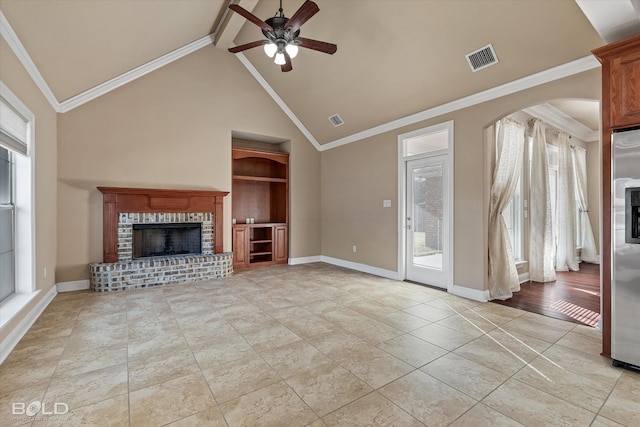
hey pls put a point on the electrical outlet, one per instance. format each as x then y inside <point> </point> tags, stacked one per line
<point>386,203</point>
<point>355,249</point>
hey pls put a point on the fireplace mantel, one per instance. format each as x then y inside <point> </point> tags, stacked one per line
<point>118,200</point>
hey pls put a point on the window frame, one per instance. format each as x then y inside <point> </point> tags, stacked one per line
<point>24,214</point>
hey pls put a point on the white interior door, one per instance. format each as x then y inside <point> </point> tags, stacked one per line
<point>427,221</point>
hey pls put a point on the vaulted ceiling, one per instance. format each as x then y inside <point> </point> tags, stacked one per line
<point>395,58</point>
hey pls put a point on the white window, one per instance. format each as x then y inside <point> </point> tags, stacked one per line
<point>16,203</point>
<point>516,211</point>
<point>553,164</point>
<point>582,153</point>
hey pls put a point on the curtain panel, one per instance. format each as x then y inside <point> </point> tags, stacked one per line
<point>566,250</point>
<point>541,244</point>
<point>509,149</point>
<point>589,253</point>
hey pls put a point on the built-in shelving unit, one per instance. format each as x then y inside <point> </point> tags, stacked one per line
<point>260,193</point>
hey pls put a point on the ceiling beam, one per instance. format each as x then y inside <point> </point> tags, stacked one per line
<point>232,24</point>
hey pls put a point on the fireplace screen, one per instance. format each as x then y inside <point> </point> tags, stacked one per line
<point>150,240</point>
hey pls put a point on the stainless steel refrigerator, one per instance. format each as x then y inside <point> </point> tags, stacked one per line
<point>625,283</point>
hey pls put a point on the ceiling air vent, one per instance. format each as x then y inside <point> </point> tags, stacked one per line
<point>336,120</point>
<point>482,58</point>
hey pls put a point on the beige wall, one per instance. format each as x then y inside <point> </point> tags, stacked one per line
<point>172,129</point>
<point>44,151</point>
<point>357,177</point>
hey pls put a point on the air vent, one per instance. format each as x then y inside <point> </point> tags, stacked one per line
<point>336,120</point>
<point>482,58</point>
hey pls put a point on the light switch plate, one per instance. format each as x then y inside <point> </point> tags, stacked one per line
<point>386,203</point>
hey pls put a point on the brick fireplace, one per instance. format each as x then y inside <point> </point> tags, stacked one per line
<point>126,210</point>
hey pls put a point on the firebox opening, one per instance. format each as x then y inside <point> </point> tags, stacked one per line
<point>152,240</point>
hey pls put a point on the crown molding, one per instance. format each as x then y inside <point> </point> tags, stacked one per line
<point>18,49</point>
<point>285,108</point>
<point>563,122</point>
<point>565,70</point>
<point>134,74</point>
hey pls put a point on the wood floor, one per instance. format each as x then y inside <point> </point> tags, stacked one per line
<point>574,296</point>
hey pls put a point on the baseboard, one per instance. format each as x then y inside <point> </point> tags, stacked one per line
<point>389,274</point>
<point>14,337</point>
<point>305,260</point>
<point>469,293</point>
<point>524,277</point>
<point>76,285</point>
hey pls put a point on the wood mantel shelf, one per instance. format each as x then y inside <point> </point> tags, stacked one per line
<point>117,200</point>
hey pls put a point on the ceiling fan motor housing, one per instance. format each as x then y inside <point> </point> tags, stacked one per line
<point>279,35</point>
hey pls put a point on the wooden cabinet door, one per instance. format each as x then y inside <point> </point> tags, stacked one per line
<point>240,247</point>
<point>625,90</point>
<point>280,244</point>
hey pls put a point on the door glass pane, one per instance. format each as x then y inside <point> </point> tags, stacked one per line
<point>428,216</point>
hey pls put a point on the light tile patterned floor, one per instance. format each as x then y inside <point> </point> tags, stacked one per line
<point>310,345</point>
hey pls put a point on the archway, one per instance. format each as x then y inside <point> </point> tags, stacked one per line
<point>574,295</point>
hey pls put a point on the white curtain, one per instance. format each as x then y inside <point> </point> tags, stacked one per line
<point>541,245</point>
<point>509,146</point>
<point>566,249</point>
<point>589,253</point>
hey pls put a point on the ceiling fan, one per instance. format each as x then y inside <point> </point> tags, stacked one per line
<point>282,34</point>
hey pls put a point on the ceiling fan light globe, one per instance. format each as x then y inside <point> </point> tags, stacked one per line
<point>292,50</point>
<point>280,59</point>
<point>270,49</point>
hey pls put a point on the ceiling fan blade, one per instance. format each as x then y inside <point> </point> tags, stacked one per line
<point>302,15</point>
<point>250,17</point>
<point>287,66</point>
<point>325,47</point>
<point>246,46</point>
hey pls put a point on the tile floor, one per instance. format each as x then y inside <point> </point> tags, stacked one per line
<point>310,345</point>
